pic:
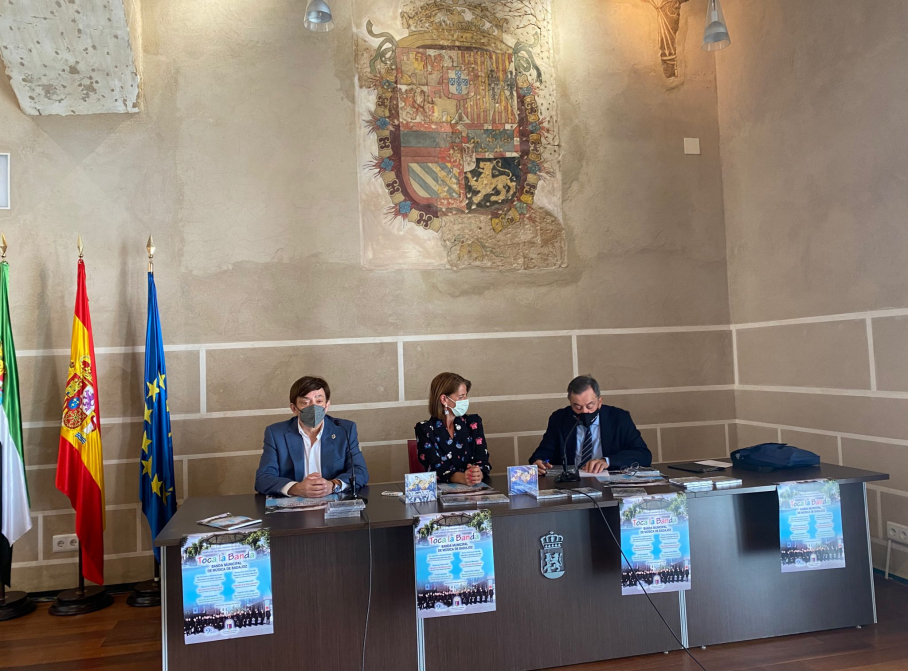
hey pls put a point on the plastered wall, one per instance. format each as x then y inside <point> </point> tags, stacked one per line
<point>811,100</point>
<point>241,163</point>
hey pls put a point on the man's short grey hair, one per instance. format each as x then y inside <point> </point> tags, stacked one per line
<point>581,383</point>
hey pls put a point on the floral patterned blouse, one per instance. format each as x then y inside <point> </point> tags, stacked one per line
<point>445,455</point>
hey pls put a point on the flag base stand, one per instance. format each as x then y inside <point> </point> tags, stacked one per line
<point>145,594</point>
<point>14,604</point>
<point>82,599</point>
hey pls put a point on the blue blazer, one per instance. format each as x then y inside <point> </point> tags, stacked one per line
<point>622,443</point>
<point>284,460</point>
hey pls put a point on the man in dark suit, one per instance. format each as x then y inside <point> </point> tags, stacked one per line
<point>312,454</point>
<point>593,435</point>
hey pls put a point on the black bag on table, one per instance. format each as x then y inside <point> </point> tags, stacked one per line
<point>768,457</point>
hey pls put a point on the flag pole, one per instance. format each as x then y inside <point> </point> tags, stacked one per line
<point>83,599</point>
<point>148,593</point>
<point>12,604</point>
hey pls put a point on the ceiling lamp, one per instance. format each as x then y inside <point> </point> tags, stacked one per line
<point>715,36</point>
<point>318,17</point>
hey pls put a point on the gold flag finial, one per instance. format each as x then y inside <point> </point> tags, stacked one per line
<point>3,246</point>
<point>80,246</point>
<point>150,247</point>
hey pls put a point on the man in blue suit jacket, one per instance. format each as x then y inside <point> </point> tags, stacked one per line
<point>312,454</point>
<point>593,435</point>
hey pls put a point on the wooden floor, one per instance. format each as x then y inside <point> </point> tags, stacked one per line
<point>121,638</point>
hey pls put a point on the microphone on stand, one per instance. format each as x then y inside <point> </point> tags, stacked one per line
<point>350,455</point>
<point>566,475</point>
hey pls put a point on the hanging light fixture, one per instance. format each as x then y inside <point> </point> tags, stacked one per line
<point>318,17</point>
<point>715,36</point>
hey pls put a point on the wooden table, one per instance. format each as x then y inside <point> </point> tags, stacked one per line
<point>320,578</point>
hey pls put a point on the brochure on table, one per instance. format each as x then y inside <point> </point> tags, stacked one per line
<point>420,487</point>
<point>523,480</point>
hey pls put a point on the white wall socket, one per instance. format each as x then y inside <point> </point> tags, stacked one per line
<point>66,543</point>
<point>897,532</point>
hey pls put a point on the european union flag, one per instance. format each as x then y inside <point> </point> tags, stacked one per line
<point>156,477</point>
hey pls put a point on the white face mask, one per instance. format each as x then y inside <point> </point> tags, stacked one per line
<point>460,407</point>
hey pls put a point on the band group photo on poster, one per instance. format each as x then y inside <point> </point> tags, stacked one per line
<point>455,566</point>
<point>656,542</point>
<point>810,526</point>
<point>226,585</point>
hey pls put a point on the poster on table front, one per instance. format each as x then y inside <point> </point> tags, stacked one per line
<point>810,526</point>
<point>226,585</point>
<point>655,540</point>
<point>455,566</point>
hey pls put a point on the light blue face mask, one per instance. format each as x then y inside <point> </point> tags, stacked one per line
<point>460,407</point>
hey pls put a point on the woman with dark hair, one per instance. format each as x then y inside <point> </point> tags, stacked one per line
<point>451,442</point>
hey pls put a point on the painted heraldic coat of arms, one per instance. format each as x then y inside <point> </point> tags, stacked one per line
<point>459,115</point>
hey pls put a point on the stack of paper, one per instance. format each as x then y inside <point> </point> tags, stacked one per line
<point>345,509</point>
<point>461,500</point>
<point>548,494</point>
<point>294,504</point>
<point>627,492</point>
<point>725,482</point>
<point>693,484</point>
<point>584,493</point>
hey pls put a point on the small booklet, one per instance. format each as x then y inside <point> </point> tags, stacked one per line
<point>523,479</point>
<point>228,522</point>
<point>290,504</point>
<point>627,492</point>
<point>546,494</point>
<point>420,487</point>
<point>578,493</point>
<point>351,508</point>
<point>456,500</point>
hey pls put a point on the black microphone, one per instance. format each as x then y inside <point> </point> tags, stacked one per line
<point>349,454</point>
<point>566,475</point>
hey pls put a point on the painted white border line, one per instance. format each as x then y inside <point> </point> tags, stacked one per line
<point>824,391</point>
<point>845,316</point>
<point>823,432</point>
<point>382,405</point>
<point>75,560</point>
<point>369,340</point>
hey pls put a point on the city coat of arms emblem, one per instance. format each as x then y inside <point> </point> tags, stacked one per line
<point>551,556</point>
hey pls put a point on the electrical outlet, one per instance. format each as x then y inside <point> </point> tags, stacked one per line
<point>66,543</point>
<point>897,532</point>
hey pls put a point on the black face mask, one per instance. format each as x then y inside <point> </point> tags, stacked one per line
<point>586,418</point>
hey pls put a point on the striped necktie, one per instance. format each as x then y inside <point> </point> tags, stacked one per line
<point>586,450</point>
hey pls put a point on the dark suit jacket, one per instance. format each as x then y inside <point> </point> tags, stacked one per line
<point>284,460</point>
<point>622,443</point>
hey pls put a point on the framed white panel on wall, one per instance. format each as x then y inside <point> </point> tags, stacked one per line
<point>4,181</point>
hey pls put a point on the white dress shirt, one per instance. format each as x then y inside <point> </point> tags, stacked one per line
<point>597,442</point>
<point>312,451</point>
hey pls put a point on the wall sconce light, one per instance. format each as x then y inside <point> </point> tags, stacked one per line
<point>4,181</point>
<point>318,17</point>
<point>715,36</point>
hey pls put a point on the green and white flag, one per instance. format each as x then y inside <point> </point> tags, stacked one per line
<point>14,508</point>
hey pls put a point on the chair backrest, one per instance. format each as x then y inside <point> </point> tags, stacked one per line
<point>415,466</point>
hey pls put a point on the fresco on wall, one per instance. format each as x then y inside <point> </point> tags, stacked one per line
<point>457,142</point>
<point>669,22</point>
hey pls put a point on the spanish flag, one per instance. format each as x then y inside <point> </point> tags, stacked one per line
<point>80,465</point>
